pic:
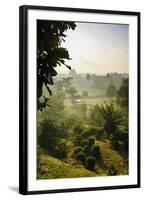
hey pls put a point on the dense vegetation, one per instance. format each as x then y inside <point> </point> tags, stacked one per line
<point>84,130</point>
<point>82,119</point>
<point>50,54</point>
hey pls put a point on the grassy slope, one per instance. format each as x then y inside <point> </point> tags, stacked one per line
<point>51,167</point>
<point>112,157</point>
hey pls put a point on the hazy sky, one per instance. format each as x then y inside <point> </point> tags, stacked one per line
<point>97,48</point>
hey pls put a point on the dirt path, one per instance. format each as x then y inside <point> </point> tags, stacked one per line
<point>113,157</point>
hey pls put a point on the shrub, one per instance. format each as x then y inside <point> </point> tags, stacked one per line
<point>120,139</point>
<point>111,116</point>
<point>84,143</point>
<point>77,139</point>
<point>57,153</point>
<point>81,157</point>
<point>87,132</point>
<point>100,133</point>
<point>87,150</point>
<point>95,151</point>
<point>78,129</point>
<point>124,138</point>
<point>92,131</point>
<point>90,163</point>
<point>78,150</point>
<point>48,134</point>
<point>60,150</point>
<point>91,140</point>
<point>78,132</point>
<point>62,145</point>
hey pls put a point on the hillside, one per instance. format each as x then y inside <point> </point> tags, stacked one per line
<point>51,167</point>
<point>112,157</point>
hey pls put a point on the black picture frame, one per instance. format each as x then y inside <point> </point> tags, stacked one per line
<point>23,95</point>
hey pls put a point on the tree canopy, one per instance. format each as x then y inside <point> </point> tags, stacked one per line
<point>112,117</point>
<point>123,93</point>
<point>50,54</point>
<point>111,91</point>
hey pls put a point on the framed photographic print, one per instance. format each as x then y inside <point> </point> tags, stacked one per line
<point>79,99</point>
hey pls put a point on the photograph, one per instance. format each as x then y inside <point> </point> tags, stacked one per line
<point>82,99</point>
<point>79,99</point>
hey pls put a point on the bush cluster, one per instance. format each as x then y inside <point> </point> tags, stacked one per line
<point>90,163</point>
<point>100,133</point>
<point>81,157</point>
<point>88,152</point>
<point>78,150</point>
<point>84,143</point>
<point>95,151</point>
<point>85,134</point>
<point>91,140</point>
<point>119,140</point>
<point>60,150</point>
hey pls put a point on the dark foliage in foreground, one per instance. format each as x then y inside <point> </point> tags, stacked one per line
<point>49,138</point>
<point>50,54</point>
<point>81,157</point>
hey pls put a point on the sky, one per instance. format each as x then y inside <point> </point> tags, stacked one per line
<point>97,48</point>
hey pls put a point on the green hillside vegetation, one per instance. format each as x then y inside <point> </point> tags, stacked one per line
<point>83,134</point>
<point>51,167</point>
<point>82,118</point>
